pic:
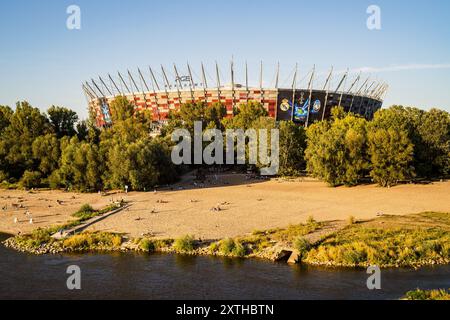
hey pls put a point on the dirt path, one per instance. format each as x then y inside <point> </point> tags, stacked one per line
<point>245,206</point>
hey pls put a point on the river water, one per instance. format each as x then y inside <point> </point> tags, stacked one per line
<point>140,276</point>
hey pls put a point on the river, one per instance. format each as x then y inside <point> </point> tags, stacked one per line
<point>141,276</point>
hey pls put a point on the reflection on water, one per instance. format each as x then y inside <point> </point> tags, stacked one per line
<point>140,276</point>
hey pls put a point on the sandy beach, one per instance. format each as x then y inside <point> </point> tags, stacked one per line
<point>245,206</point>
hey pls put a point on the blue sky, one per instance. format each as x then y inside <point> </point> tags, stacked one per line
<point>45,63</point>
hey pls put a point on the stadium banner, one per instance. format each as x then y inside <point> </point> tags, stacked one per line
<point>297,110</point>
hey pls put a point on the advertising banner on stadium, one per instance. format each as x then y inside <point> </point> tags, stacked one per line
<point>297,110</point>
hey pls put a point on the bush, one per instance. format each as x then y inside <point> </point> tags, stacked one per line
<point>226,246</point>
<point>362,246</point>
<point>391,154</point>
<point>239,250</point>
<point>311,220</point>
<point>85,212</point>
<point>30,179</point>
<point>418,294</point>
<point>351,220</point>
<point>302,245</point>
<point>147,245</point>
<point>93,241</point>
<point>336,151</point>
<point>185,244</point>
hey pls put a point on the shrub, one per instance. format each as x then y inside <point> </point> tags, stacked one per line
<point>418,294</point>
<point>185,244</point>
<point>226,246</point>
<point>391,154</point>
<point>85,212</point>
<point>336,151</point>
<point>93,241</point>
<point>239,250</point>
<point>311,220</point>
<point>147,245</point>
<point>302,245</point>
<point>351,220</point>
<point>214,247</point>
<point>30,179</point>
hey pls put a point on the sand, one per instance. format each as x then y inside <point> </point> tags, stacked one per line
<point>245,206</point>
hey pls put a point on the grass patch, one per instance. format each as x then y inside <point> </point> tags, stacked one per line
<point>88,241</point>
<point>418,294</point>
<point>147,245</point>
<point>302,245</point>
<point>406,241</point>
<point>184,244</point>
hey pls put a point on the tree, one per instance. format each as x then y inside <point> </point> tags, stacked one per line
<point>150,164</point>
<point>26,124</point>
<point>429,133</point>
<point>245,115</point>
<point>141,164</point>
<point>434,130</point>
<point>46,151</point>
<point>81,166</point>
<point>5,116</point>
<point>391,154</point>
<point>121,109</point>
<point>210,115</point>
<point>62,121</point>
<point>30,179</point>
<point>292,148</point>
<point>336,151</point>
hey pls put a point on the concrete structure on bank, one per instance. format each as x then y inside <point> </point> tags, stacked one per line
<point>301,105</point>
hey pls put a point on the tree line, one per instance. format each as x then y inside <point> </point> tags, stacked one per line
<point>56,150</point>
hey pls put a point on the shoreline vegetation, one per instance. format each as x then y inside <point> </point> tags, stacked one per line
<point>422,295</point>
<point>389,242</point>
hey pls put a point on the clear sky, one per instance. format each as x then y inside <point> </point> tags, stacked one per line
<point>45,63</point>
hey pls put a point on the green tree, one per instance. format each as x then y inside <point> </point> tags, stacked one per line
<point>121,109</point>
<point>46,151</point>
<point>81,166</point>
<point>62,120</point>
<point>336,151</point>
<point>246,115</point>
<point>5,116</point>
<point>391,154</point>
<point>26,124</point>
<point>292,148</point>
<point>30,179</point>
<point>434,131</point>
<point>210,115</point>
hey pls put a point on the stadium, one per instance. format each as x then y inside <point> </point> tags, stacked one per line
<point>156,92</point>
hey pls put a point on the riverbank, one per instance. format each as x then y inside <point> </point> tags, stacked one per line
<point>390,242</point>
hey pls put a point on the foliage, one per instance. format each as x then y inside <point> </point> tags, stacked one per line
<point>93,241</point>
<point>62,121</point>
<point>85,212</point>
<point>397,243</point>
<point>391,154</point>
<point>418,294</point>
<point>46,151</point>
<point>147,245</point>
<point>336,151</point>
<point>30,179</point>
<point>302,245</point>
<point>292,148</point>
<point>184,244</point>
<point>246,115</point>
<point>210,115</point>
